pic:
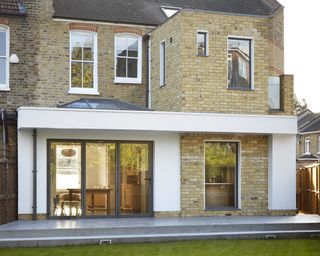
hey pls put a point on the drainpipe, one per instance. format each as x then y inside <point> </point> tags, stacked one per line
<point>34,207</point>
<point>5,160</point>
<point>148,96</point>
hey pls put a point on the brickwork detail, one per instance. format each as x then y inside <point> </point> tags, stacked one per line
<point>4,21</point>
<point>287,92</point>
<point>83,26</point>
<point>129,30</point>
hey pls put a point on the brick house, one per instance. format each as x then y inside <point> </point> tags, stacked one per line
<point>150,108</point>
<point>308,141</point>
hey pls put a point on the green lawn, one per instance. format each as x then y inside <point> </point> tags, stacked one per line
<point>194,248</point>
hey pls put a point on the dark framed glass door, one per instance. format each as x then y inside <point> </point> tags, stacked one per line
<point>135,179</point>
<point>108,179</point>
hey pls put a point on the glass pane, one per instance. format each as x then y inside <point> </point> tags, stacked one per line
<point>134,179</point>
<point>220,174</point>
<point>76,74</point>
<point>201,39</point>
<point>239,56</point>
<point>88,54</point>
<point>122,45</point>
<point>76,53</point>
<point>3,44</point>
<point>65,168</point>
<point>274,92</point>
<point>121,67</point>
<point>100,179</point>
<point>87,75</point>
<point>3,70</point>
<point>132,47</point>
<point>82,40</point>
<point>132,68</point>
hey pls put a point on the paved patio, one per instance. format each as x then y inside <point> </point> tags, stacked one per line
<point>129,230</point>
<point>158,222</point>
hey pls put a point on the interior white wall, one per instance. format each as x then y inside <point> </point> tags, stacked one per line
<point>166,182</point>
<point>282,172</point>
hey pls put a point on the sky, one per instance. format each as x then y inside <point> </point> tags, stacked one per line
<point>302,57</point>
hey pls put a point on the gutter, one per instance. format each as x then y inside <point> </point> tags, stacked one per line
<point>34,207</point>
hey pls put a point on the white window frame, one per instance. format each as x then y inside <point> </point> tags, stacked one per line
<point>162,63</point>
<point>128,80</point>
<point>88,91</point>
<point>251,58</point>
<point>5,86</point>
<point>206,32</point>
<point>307,143</point>
<point>318,144</point>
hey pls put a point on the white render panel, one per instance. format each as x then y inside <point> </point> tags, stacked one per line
<point>57,118</point>
<point>282,172</point>
<point>25,168</point>
<point>166,183</point>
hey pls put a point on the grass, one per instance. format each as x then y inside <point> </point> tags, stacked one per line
<point>201,248</point>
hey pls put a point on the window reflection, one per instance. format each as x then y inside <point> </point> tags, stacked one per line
<point>220,174</point>
<point>239,63</point>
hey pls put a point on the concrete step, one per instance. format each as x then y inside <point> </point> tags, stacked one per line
<point>154,237</point>
<point>167,229</point>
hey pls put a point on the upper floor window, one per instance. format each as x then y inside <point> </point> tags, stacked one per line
<point>4,58</point>
<point>202,43</point>
<point>307,142</point>
<point>240,63</point>
<point>83,62</point>
<point>274,93</point>
<point>162,63</point>
<point>128,58</point>
<point>318,144</point>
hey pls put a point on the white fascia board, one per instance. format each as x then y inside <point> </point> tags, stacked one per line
<point>88,119</point>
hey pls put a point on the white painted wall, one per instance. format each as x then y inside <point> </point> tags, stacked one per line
<point>282,172</point>
<point>25,168</point>
<point>89,119</point>
<point>166,190</point>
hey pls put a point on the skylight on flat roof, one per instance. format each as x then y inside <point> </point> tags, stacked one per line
<point>170,11</point>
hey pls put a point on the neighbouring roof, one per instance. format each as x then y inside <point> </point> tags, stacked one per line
<point>110,104</point>
<point>308,121</point>
<point>12,7</point>
<point>148,12</point>
<point>308,157</point>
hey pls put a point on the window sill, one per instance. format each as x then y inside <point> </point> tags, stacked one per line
<point>202,55</point>
<point>276,110</point>
<point>223,209</point>
<point>119,80</point>
<point>162,85</point>
<point>83,91</point>
<point>5,89</point>
<point>240,89</point>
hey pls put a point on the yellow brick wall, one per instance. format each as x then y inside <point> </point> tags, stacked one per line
<point>53,81</point>
<point>168,97</point>
<point>253,173</point>
<point>202,86</point>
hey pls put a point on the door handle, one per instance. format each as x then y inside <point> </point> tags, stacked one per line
<point>149,179</point>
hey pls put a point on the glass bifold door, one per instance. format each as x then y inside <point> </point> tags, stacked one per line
<point>99,179</point>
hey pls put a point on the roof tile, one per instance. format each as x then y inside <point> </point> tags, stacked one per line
<point>12,7</point>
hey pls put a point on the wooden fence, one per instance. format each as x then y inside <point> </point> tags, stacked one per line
<point>8,177</point>
<point>308,189</point>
